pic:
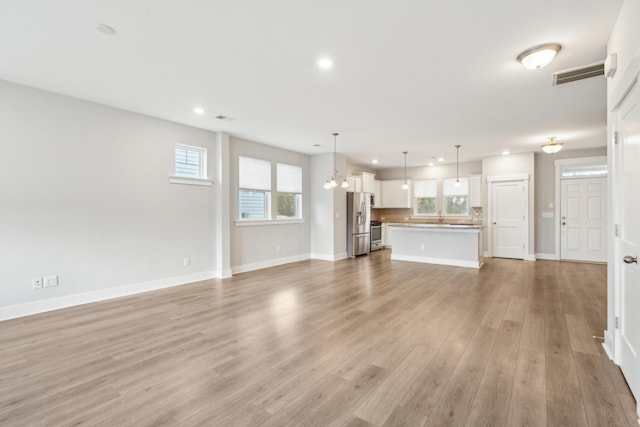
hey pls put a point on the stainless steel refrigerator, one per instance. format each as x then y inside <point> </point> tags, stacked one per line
<point>358,223</point>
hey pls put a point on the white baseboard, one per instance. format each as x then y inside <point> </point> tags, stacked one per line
<point>529,257</point>
<point>268,263</point>
<point>329,257</point>
<point>549,257</point>
<point>41,306</point>
<point>485,254</point>
<point>441,261</point>
<point>223,274</point>
<point>607,345</point>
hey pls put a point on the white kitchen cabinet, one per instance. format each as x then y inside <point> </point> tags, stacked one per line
<point>368,182</point>
<point>393,196</point>
<point>355,183</point>
<point>377,193</point>
<point>386,235</point>
<point>475,191</point>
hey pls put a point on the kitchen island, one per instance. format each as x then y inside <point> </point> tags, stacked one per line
<point>447,244</point>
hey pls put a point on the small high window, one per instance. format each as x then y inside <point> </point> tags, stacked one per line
<point>190,162</point>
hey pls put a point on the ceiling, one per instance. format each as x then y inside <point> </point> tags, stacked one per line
<point>418,76</point>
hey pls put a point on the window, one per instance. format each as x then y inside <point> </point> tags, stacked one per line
<point>584,171</point>
<point>191,162</point>
<point>254,182</point>
<point>455,199</point>
<point>425,194</point>
<point>289,183</point>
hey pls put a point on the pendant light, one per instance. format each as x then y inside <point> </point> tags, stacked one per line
<point>405,186</point>
<point>332,182</point>
<point>552,146</point>
<point>457,183</point>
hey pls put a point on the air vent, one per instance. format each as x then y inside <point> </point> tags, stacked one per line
<point>581,73</point>
<point>225,118</point>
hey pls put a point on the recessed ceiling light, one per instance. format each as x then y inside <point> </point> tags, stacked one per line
<point>430,163</point>
<point>441,159</point>
<point>505,153</point>
<point>325,63</point>
<point>198,110</point>
<point>105,29</point>
<point>539,56</point>
<point>374,161</point>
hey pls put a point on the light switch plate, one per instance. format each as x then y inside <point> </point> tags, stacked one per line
<point>50,281</point>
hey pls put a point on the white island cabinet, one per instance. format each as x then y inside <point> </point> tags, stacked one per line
<point>446,244</point>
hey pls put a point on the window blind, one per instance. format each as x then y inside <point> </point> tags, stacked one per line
<point>425,188</point>
<point>289,178</point>
<point>254,174</point>
<point>449,188</point>
<point>188,162</point>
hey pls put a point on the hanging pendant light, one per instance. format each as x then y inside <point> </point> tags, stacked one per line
<point>405,186</point>
<point>552,146</point>
<point>332,182</point>
<point>457,183</point>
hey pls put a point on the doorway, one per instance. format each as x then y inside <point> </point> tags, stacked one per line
<point>508,210</point>
<point>583,217</point>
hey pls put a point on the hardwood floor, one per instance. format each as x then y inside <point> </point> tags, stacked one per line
<point>365,342</point>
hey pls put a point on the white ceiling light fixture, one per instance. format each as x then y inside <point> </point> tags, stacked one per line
<point>198,110</point>
<point>374,161</point>
<point>441,159</point>
<point>552,146</point>
<point>457,183</point>
<point>325,63</point>
<point>106,30</point>
<point>506,153</point>
<point>539,56</point>
<point>333,181</point>
<point>405,186</point>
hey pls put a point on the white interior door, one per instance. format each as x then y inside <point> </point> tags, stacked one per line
<point>629,161</point>
<point>508,213</point>
<point>583,219</point>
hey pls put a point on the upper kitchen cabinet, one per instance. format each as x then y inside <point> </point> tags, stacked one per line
<point>393,196</point>
<point>355,183</point>
<point>475,191</point>
<point>368,182</point>
<point>377,193</point>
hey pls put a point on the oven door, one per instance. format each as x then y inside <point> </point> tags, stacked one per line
<point>376,233</point>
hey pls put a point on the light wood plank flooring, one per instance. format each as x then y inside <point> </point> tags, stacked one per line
<point>365,342</point>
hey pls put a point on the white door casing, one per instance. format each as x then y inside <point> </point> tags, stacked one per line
<point>583,219</point>
<point>628,337</point>
<point>508,218</point>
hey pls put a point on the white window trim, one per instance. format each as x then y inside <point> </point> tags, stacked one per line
<point>190,181</point>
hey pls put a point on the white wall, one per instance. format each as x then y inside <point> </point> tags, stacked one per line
<point>522,163</point>
<point>256,246</point>
<point>85,196</point>
<point>431,172</point>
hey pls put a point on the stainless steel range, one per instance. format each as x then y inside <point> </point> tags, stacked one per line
<point>376,235</point>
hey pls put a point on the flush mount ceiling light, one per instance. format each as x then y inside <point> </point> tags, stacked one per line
<point>325,63</point>
<point>457,183</point>
<point>105,29</point>
<point>552,146</point>
<point>405,186</point>
<point>333,181</point>
<point>539,56</point>
<point>198,110</point>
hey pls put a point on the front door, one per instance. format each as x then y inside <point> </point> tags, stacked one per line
<point>508,211</point>
<point>583,219</point>
<point>629,161</point>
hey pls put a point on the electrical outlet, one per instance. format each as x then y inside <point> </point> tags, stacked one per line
<point>422,247</point>
<point>37,283</point>
<point>277,248</point>
<point>50,281</point>
<point>186,262</point>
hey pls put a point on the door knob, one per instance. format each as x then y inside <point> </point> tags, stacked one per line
<point>564,223</point>
<point>494,223</point>
<point>630,259</point>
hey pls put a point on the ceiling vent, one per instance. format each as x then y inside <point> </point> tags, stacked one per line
<point>580,73</point>
<point>224,118</point>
